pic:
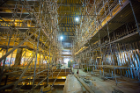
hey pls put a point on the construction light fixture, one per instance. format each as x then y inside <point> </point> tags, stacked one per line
<point>66,60</point>
<point>61,37</point>
<point>77,19</point>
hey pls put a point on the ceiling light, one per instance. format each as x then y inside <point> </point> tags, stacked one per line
<point>77,19</point>
<point>66,60</point>
<point>61,37</point>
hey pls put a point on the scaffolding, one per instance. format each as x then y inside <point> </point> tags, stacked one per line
<point>111,40</point>
<point>29,37</point>
<point>102,41</point>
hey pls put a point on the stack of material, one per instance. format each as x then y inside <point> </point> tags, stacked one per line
<point>72,85</point>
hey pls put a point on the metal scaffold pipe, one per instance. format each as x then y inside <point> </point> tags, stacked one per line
<point>16,46</point>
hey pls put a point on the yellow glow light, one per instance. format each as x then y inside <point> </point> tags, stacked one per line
<point>15,23</point>
<point>63,77</point>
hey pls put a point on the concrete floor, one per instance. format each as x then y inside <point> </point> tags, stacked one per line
<point>107,86</point>
<point>57,90</point>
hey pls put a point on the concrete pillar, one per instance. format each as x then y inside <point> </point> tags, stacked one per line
<point>18,56</point>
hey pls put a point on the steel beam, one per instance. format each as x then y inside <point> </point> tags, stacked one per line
<point>36,58</point>
<point>4,87</point>
<point>17,46</point>
<point>56,78</point>
<point>42,81</point>
<point>3,2</point>
<point>21,75</point>
<point>134,17</point>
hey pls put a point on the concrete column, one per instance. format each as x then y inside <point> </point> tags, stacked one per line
<point>18,56</point>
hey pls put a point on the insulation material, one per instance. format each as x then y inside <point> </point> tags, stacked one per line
<point>72,85</point>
